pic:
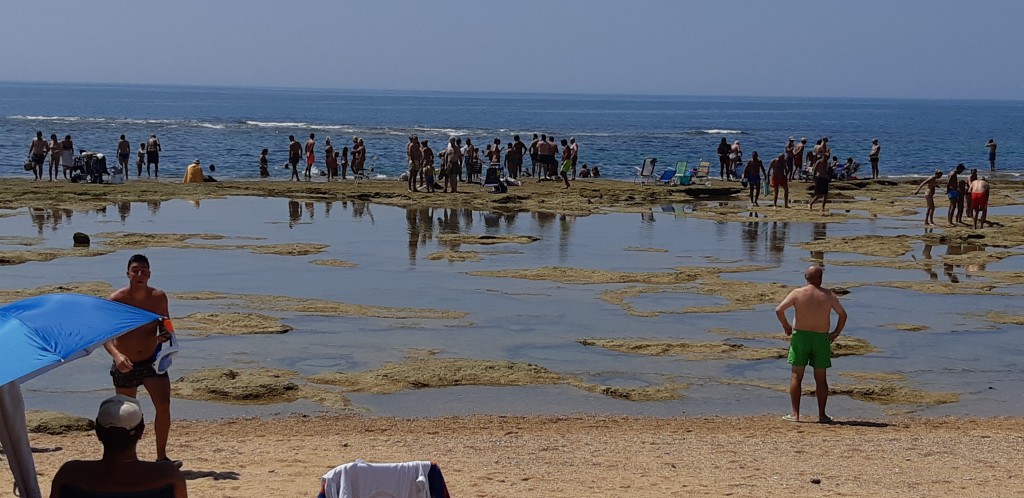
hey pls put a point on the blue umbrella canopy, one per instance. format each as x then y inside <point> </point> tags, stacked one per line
<point>40,333</point>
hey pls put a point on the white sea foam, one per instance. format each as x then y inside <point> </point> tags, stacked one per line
<point>276,124</point>
<point>716,131</point>
<point>47,118</point>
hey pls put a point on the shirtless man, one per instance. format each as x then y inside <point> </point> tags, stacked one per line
<point>876,150</point>
<point>133,353</point>
<point>821,179</point>
<point>575,151</point>
<point>119,427</point>
<point>453,162</point>
<point>753,173</point>
<point>929,196</point>
<point>798,159</point>
<point>124,153</point>
<point>414,154</point>
<point>979,201</point>
<point>427,155</point>
<point>153,150</point>
<point>811,341</point>
<point>542,149</point>
<point>294,156</point>
<point>494,154</point>
<point>534,154</point>
<point>778,172</point>
<point>330,159</point>
<point>310,156</point>
<point>953,191</point>
<point>552,158</point>
<point>790,147</point>
<point>515,162</point>
<point>37,154</point>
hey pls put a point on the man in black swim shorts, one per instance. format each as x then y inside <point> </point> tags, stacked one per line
<point>153,155</point>
<point>133,353</point>
<point>821,178</point>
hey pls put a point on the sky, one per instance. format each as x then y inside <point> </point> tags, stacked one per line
<point>778,48</point>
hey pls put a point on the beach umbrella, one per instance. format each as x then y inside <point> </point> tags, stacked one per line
<point>39,334</point>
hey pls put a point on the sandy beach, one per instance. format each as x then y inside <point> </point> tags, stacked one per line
<point>576,455</point>
<point>494,456</point>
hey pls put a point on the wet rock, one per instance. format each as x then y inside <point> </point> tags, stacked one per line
<point>81,239</point>
<point>260,385</point>
<point>55,423</point>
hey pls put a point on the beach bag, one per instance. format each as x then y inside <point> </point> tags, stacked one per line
<point>29,166</point>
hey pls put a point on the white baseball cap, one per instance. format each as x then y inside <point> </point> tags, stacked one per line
<point>119,411</point>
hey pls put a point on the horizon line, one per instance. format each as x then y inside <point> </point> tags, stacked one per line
<point>490,92</point>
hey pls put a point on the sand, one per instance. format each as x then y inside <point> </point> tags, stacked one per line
<point>577,456</point>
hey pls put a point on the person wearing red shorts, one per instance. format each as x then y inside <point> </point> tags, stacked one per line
<point>310,156</point>
<point>778,173</point>
<point>979,201</point>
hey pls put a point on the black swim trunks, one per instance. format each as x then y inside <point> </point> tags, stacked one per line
<point>140,371</point>
<point>820,185</point>
<point>38,159</point>
<point>152,157</point>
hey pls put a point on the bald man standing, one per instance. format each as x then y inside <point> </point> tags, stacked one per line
<point>811,340</point>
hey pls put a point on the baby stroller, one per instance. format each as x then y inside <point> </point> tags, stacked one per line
<point>89,167</point>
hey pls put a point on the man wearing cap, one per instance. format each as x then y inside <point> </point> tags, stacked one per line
<point>119,426</point>
<point>873,157</point>
<point>135,352</point>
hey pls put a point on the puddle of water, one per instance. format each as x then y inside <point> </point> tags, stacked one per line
<point>514,319</point>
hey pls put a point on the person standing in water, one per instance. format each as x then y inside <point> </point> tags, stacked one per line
<point>153,150</point>
<point>991,145</point>
<point>124,153</point>
<point>310,156</point>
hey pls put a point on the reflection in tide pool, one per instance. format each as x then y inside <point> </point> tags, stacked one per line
<point>532,321</point>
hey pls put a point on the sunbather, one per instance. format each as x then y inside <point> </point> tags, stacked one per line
<point>119,426</point>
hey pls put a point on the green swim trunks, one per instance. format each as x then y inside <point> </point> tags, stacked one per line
<point>810,347</point>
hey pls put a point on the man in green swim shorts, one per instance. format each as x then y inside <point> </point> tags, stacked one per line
<point>811,341</point>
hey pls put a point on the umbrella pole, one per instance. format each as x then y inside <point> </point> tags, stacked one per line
<point>14,438</point>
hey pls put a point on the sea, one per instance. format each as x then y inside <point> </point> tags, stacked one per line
<point>229,127</point>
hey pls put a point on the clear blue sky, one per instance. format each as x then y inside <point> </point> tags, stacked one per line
<point>804,48</point>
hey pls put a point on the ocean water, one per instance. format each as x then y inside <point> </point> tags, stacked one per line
<point>229,126</point>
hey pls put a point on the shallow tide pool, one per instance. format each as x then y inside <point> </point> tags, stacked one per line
<point>533,321</point>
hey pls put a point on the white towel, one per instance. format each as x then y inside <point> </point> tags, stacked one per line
<point>378,480</point>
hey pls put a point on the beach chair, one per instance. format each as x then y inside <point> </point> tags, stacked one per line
<point>683,175</point>
<point>645,173</point>
<point>703,170</point>
<point>493,180</point>
<point>667,176</point>
<point>360,478</point>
